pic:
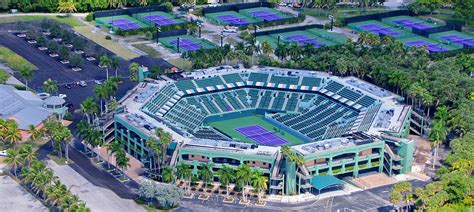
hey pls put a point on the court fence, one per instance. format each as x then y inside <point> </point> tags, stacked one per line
<point>427,32</point>
<point>377,16</point>
<point>236,7</point>
<point>129,12</point>
<point>289,29</point>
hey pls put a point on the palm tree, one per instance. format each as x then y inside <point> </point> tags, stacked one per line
<point>183,172</point>
<point>143,2</point>
<point>94,138</point>
<point>266,48</point>
<point>67,6</point>
<point>122,161</point>
<point>12,134</point>
<point>115,64</point>
<point>14,160</point>
<point>102,92</point>
<point>226,176</point>
<point>50,86</point>
<point>155,149</point>
<point>165,140</point>
<point>243,175</point>
<point>89,108</point>
<point>28,153</point>
<point>437,136</point>
<point>34,132</point>
<point>259,182</point>
<point>167,175</point>
<point>105,61</point>
<point>133,69</point>
<point>205,173</point>
<point>26,72</point>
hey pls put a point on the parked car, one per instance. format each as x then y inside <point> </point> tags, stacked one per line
<point>98,82</point>
<point>230,29</point>
<point>62,96</point>
<point>69,105</point>
<point>3,153</point>
<point>68,85</point>
<point>282,4</point>
<point>82,83</point>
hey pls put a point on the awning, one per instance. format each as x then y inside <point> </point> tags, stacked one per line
<point>324,181</point>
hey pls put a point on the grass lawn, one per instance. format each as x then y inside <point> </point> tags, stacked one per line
<point>182,64</point>
<point>13,60</point>
<point>147,49</point>
<point>66,20</point>
<point>59,161</point>
<point>108,44</point>
<point>228,127</point>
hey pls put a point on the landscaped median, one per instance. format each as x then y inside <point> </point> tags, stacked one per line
<point>13,60</point>
<point>110,45</point>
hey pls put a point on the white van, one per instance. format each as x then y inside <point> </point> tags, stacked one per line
<point>230,29</point>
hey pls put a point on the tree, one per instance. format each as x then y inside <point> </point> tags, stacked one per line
<point>53,46</point>
<point>168,196</point>
<point>50,86</point>
<point>115,64</point>
<point>165,140</point>
<point>167,176</point>
<point>226,176</point>
<point>133,69</point>
<point>4,76</point>
<point>14,160</point>
<point>105,61</point>
<point>122,161</point>
<point>64,53</point>
<point>102,92</point>
<point>34,132</point>
<point>183,172</point>
<point>243,176</point>
<point>11,133</point>
<point>76,60</point>
<point>430,5</point>
<point>205,173</point>
<point>26,72</point>
<point>266,48</point>
<point>28,153</point>
<point>437,136</point>
<point>147,191</point>
<point>259,183</point>
<point>89,108</point>
<point>94,138</point>
<point>67,6</point>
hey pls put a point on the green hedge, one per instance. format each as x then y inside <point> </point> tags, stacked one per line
<point>14,61</point>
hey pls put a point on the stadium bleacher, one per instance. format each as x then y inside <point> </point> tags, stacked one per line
<point>308,111</point>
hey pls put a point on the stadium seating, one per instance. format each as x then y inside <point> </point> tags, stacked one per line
<point>254,97</point>
<point>284,80</point>
<point>184,85</point>
<point>161,98</point>
<point>232,78</point>
<point>311,82</point>
<point>209,133</point>
<point>184,115</point>
<point>213,81</point>
<point>242,95</point>
<point>292,102</point>
<point>265,100</point>
<point>208,104</point>
<point>278,101</point>
<point>348,94</point>
<point>216,98</point>
<point>334,86</point>
<point>231,97</point>
<point>258,77</point>
<point>366,101</point>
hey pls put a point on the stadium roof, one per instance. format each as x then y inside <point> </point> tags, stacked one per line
<point>325,181</point>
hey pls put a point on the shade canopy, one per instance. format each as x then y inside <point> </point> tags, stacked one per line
<point>325,181</point>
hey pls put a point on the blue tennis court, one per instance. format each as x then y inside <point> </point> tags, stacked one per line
<point>261,135</point>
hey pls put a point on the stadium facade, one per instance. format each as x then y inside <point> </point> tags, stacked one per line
<point>342,127</point>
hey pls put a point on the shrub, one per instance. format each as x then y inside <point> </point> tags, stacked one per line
<point>3,76</point>
<point>168,6</point>
<point>107,37</point>
<point>89,17</point>
<point>148,35</point>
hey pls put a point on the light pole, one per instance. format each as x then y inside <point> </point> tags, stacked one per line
<point>199,26</point>
<point>158,30</point>
<point>177,43</point>
<point>222,38</point>
<point>332,21</point>
<point>278,41</point>
<point>255,34</point>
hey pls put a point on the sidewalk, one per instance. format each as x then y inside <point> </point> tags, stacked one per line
<point>96,198</point>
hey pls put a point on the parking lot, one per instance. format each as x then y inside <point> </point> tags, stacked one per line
<point>51,68</point>
<point>13,197</point>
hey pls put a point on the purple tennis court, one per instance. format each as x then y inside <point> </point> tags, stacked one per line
<point>303,39</point>
<point>233,20</point>
<point>412,24</point>
<point>430,46</point>
<point>459,39</point>
<point>160,20</point>
<point>265,15</point>
<point>379,29</point>
<point>261,135</point>
<point>124,24</point>
<point>186,44</point>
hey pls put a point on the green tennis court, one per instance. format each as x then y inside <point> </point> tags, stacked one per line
<point>228,127</point>
<point>106,21</point>
<point>187,43</point>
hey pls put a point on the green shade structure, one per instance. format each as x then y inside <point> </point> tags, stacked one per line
<point>325,181</point>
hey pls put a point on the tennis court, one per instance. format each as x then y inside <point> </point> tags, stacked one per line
<point>408,22</point>
<point>379,28</point>
<point>157,18</point>
<point>454,38</point>
<point>230,18</point>
<point>122,22</point>
<point>431,45</point>
<point>231,128</point>
<point>315,37</point>
<point>185,43</point>
<point>261,135</point>
<point>264,14</point>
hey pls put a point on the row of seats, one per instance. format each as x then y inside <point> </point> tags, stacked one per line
<point>209,133</point>
<point>284,80</point>
<point>212,81</point>
<point>232,78</point>
<point>160,99</point>
<point>185,115</point>
<point>349,94</point>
